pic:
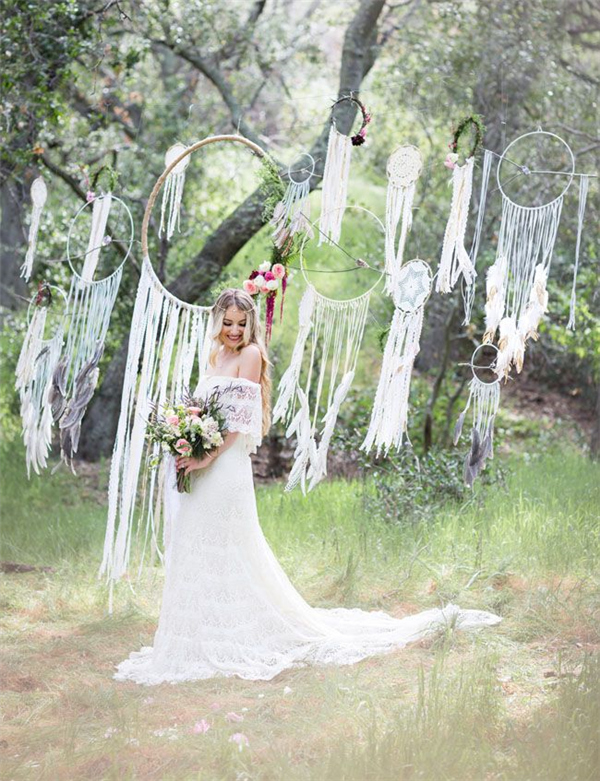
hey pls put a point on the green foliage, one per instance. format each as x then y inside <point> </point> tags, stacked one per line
<point>271,186</point>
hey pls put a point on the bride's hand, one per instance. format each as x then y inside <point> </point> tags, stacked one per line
<point>191,464</point>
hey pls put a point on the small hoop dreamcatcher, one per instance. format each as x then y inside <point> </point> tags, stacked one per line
<point>335,329</point>
<point>89,307</point>
<point>455,261</point>
<point>292,214</point>
<point>484,400</point>
<point>36,364</point>
<point>336,173</point>
<point>403,168</point>
<point>389,417</point>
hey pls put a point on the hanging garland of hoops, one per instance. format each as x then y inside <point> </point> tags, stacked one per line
<point>337,172</point>
<point>169,341</point>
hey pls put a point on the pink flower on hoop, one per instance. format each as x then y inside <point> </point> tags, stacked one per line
<point>250,287</point>
<point>278,271</point>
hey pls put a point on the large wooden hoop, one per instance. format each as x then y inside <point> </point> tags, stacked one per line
<point>256,149</point>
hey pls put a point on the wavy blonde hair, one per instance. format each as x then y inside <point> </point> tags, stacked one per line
<point>252,334</point>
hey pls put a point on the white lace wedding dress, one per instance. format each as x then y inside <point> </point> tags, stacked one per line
<point>228,607</point>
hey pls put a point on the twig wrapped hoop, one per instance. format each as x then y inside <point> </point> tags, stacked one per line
<point>359,138</point>
<point>472,122</point>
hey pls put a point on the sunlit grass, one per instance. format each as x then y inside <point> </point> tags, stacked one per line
<point>514,702</point>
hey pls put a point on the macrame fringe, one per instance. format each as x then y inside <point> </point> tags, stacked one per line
<point>583,192</point>
<point>100,212</point>
<point>292,214</point>
<point>389,416</point>
<point>39,195</point>
<point>468,292</point>
<point>455,259</point>
<point>399,204</point>
<point>34,370</point>
<point>173,192</point>
<point>335,329</point>
<point>484,399</point>
<point>168,339</point>
<point>335,186</point>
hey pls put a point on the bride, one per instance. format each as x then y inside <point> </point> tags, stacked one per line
<point>228,607</point>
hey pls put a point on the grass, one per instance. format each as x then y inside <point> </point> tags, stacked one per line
<point>513,703</point>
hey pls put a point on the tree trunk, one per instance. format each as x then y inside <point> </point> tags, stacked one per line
<point>13,244</point>
<point>358,57</point>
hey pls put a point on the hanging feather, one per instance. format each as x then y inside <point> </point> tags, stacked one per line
<point>35,366</point>
<point>511,347</point>
<point>583,191</point>
<point>484,401</point>
<point>39,195</point>
<point>168,340</point>
<point>335,186</point>
<point>496,291</point>
<point>335,329</point>
<point>389,417</point>
<point>455,260</point>
<point>536,307</point>
<point>173,191</point>
<point>404,167</point>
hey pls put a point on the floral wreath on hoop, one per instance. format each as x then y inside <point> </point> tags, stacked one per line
<point>359,138</point>
<point>472,122</point>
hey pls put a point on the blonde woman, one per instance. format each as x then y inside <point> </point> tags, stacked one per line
<point>228,607</point>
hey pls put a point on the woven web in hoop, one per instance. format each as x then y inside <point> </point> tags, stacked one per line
<point>404,166</point>
<point>414,285</point>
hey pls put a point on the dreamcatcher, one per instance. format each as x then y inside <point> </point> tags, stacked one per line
<point>89,308</point>
<point>455,260</point>
<point>468,287</point>
<point>39,195</point>
<point>37,360</point>
<point>333,330</point>
<point>404,167</point>
<point>484,400</point>
<point>168,342</point>
<point>517,295</point>
<point>336,174</point>
<point>390,410</point>
<point>292,214</point>
<point>173,191</point>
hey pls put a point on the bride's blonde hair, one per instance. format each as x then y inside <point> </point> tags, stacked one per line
<point>252,334</point>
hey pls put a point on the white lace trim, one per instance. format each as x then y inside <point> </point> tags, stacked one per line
<point>241,400</point>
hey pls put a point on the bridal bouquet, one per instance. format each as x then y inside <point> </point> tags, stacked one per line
<point>193,427</point>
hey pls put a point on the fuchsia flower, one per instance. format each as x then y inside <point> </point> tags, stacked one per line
<point>269,275</point>
<point>234,717</point>
<point>183,447</point>
<point>200,727</point>
<point>172,420</point>
<point>250,287</point>
<point>240,739</point>
<point>278,271</point>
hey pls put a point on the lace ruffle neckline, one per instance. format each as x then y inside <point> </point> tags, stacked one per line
<point>227,377</point>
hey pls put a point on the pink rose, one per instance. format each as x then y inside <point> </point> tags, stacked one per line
<point>172,420</point>
<point>269,275</point>
<point>278,271</point>
<point>200,727</point>
<point>264,289</point>
<point>194,410</point>
<point>450,161</point>
<point>183,447</point>
<point>89,196</point>
<point>250,287</point>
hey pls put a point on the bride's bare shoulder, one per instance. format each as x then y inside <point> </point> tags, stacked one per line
<point>250,362</point>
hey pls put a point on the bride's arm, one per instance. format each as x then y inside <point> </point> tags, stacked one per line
<point>250,368</point>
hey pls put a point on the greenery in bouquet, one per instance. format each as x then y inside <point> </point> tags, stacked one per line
<point>191,427</point>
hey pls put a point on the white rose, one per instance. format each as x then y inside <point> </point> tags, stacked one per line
<point>272,284</point>
<point>265,266</point>
<point>259,281</point>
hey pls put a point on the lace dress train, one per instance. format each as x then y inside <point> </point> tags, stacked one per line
<point>228,607</point>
